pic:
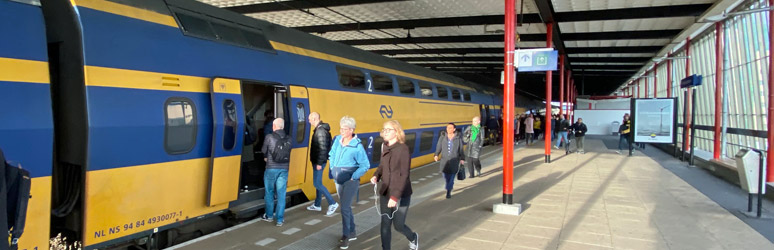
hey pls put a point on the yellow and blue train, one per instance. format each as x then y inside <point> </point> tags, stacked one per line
<point>140,120</point>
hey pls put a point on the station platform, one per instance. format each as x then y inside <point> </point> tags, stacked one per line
<point>597,200</point>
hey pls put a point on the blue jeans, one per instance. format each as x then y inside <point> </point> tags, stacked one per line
<point>562,135</point>
<point>321,190</point>
<point>449,180</point>
<point>624,138</point>
<point>276,180</point>
<point>347,192</point>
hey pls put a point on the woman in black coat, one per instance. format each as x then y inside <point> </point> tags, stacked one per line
<point>393,177</point>
<point>449,152</point>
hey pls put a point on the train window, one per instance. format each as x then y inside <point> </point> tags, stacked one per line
<point>301,124</point>
<point>195,26</point>
<point>443,92</point>
<point>411,139</point>
<point>351,78</point>
<point>180,127</point>
<point>256,39</point>
<point>456,95</point>
<point>426,141</point>
<point>229,124</point>
<point>376,152</point>
<point>229,34</point>
<point>382,83</point>
<point>467,96</point>
<point>406,86</point>
<point>426,89</point>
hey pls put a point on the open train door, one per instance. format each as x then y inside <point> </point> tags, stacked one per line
<point>299,132</point>
<point>228,124</point>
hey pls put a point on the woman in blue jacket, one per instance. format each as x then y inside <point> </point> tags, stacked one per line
<point>348,162</point>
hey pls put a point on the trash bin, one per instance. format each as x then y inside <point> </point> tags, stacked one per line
<point>748,166</point>
<point>614,127</point>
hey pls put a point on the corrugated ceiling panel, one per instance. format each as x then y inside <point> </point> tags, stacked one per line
<point>584,5</point>
<point>627,25</point>
<point>617,43</point>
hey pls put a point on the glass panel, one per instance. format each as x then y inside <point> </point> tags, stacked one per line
<point>456,95</point>
<point>180,129</point>
<point>257,40</point>
<point>301,122</point>
<point>467,97</point>
<point>425,89</point>
<point>406,87</point>
<point>195,26</point>
<point>443,92</point>
<point>411,139</point>
<point>229,34</point>
<point>229,124</point>
<point>351,78</point>
<point>382,83</point>
<point>426,141</point>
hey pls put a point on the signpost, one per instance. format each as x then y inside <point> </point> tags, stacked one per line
<point>528,60</point>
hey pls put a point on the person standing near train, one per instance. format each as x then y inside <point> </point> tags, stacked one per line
<point>319,148</point>
<point>449,151</point>
<point>473,136</point>
<point>348,162</point>
<point>394,190</point>
<point>275,178</point>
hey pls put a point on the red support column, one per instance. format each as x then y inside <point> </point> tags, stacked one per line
<point>508,102</point>
<point>687,132</point>
<point>549,85</point>
<point>638,88</point>
<point>647,83</point>
<point>718,87</point>
<point>561,92</point>
<point>770,159</point>
<point>655,81</point>
<point>669,75</point>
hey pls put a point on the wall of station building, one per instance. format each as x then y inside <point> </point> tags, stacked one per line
<point>745,81</point>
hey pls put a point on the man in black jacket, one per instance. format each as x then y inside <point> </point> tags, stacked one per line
<point>580,131</point>
<point>318,155</point>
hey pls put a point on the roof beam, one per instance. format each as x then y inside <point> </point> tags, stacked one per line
<point>546,10</point>
<point>298,5</point>
<point>632,13</point>
<point>572,50</point>
<point>575,16</point>
<point>586,36</point>
<point>641,60</point>
<point>417,23</point>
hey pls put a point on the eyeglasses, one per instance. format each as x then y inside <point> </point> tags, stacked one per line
<point>343,129</point>
<point>387,130</point>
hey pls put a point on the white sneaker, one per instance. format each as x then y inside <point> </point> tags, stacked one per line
<point>555,147</point>
<point>618,152</point>
<point>313,208</point>
<point>331,209</point>
<point>414,245</point>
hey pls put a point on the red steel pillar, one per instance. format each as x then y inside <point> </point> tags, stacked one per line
<point>647,83</point>
<point>508,102</point>
<point>718,87</point>
<point>561,92</point>
<point>687,132</point>
<point>669,75</point>
<point>549,85</point>
<point>770,159</point>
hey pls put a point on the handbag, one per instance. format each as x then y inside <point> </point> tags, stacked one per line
<point>461,172</point>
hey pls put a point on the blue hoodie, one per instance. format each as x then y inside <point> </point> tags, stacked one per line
<point>350,156</point>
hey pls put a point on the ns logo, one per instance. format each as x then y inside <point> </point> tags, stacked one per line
<point>385,111</point>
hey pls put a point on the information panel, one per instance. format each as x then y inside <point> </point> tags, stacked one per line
<point>654,120</point>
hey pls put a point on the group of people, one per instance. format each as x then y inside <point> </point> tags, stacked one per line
<point>348,162</point>
<point>529,127</point>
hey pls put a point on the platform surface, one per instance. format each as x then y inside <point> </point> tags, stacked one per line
<point>597,200</point>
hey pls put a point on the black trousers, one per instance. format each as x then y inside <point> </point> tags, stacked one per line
<point>398,219</point>
<point>473,162</point>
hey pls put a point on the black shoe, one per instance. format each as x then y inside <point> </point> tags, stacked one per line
<point>448,194</point>
<point>344,244</point>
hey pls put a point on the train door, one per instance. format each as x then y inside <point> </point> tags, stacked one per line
<point>228,124</point>
<point>299,132</point>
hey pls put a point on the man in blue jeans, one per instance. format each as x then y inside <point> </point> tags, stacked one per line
<point>276,176</point>
<point>318,155</point>
<point>561,131</point>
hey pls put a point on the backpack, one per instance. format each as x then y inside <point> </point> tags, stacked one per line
<point>281,152</point>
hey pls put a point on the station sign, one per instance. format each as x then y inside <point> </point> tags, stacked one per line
<point>528,60</point>
<point>691,81</point>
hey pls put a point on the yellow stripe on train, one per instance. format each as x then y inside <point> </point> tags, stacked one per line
<point>20,70</point>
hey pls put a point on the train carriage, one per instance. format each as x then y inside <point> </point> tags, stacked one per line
<point>158,108</point>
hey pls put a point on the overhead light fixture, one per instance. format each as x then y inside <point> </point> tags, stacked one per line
<point>724,16</point>
<point>670,58</point>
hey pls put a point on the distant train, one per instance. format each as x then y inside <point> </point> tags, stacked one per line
<point>131,114</point>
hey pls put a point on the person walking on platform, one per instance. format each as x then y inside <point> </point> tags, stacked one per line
<point>536,128</point>
<point>561,131</point>
<point>529,129</point>
<point>276,151</point>
<point>516,124</point>
<point>554,120</point>
<point>348,162</point>
<point>449,151</point>
<point>624,131</point>
<point>394,190</point>
<point>580,132</point>
<point>474,138</point>
<point>318,155</point>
